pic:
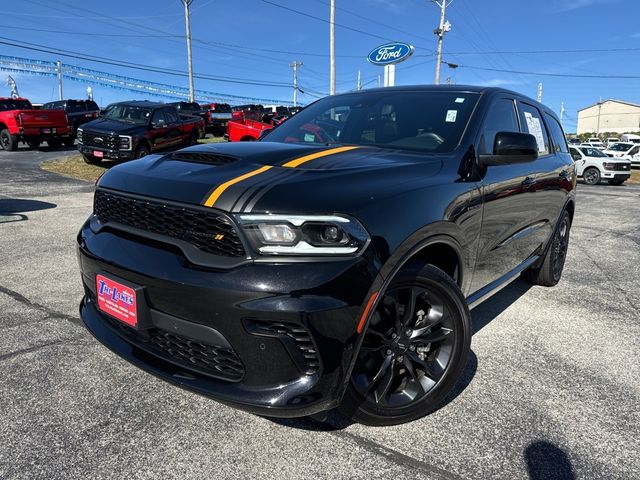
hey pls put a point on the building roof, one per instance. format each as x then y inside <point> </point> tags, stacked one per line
<point>611,100</point>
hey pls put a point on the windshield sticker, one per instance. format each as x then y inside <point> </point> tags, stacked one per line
<point>309,137</point>
<point>460,100</point>
<point>535,129</point>
<point>451,116</point>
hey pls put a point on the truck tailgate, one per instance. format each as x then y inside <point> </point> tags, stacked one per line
<point>43,118</point>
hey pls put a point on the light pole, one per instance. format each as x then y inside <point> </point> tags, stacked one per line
<point>332,47</point>
<point>440,31</point>
<point>295,66</point>
<point>187,20</point>
<point>59,71</point>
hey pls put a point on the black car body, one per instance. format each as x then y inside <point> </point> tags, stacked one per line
<point>263,269</point>
<point>129,130</point>
<point>78,112</point>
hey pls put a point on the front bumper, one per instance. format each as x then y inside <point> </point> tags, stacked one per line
<point>615,174</point>
<point>291,325</point>
<point>106,152</point>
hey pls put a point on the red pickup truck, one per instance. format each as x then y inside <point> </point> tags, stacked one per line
<point>249,125</point>
<point>19,121</point>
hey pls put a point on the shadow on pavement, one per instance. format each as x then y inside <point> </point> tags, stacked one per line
<point>546,461</point>
<point>17,205</point>
<point>488,310</point>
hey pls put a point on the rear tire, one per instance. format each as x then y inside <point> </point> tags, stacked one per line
<point>616,182</point>
<point>54,143</point>
<point>413,352</point>
<point>91,160</point>
<point>9,142</point>
<point>549,272</point>
<point>33,143</point>
<point>591,176</point>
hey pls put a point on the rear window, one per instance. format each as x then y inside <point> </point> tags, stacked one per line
<point>14,104</point>
<point>559,140</point>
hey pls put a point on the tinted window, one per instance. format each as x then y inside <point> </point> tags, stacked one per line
<point>170,117</point>
<point>128,113</point>
<point>533,124</point>
<point>593,152</point>
<point>91,105</point>
<point>76,107</point>
<point>157,116</point>
<point>620,147</point>
<point>575,154</point>
<point>634,150</point>
<point>559,142</point>
<point>500,118</point>
<point>12,104</point>
<point>408,120</point>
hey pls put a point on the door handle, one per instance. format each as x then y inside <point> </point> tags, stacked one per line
<point>527,182</point>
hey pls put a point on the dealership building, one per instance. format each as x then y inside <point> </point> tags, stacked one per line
<point>609,116</point>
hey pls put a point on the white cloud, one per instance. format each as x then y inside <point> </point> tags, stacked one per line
<point>568,5</point>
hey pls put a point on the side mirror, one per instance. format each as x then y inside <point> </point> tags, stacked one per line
<point>160,124</point>
<point>510,148</point>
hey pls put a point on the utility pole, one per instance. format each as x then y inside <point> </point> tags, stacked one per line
<point>187,20</point>
<point>332,47</point>
<point>561,112</point>
<point>539,92</point>
<point>359,82</point>
<point>379,82</point>
<point>440,31</point>
<point>599,109</point>
<point>295,66</point>
<point>59,68</point>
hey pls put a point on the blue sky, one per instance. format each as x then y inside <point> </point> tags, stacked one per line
<point>149,32</point>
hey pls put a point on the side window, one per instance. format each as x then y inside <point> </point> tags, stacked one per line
<point>170,117</point>
<point>501,118</point>
<point>157,116</point>
<point>557,135</point>
<point>532,123</point>
<point>634,150</point>
<point>575,154</point>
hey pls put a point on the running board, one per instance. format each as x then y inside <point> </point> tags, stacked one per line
<point>497,285</point>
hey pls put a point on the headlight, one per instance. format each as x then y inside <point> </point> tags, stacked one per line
<point>79,135</point>
<point>124,142</point>
<point>306,235</point>
<point>609,166</point>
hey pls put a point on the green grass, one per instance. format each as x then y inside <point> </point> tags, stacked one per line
<point>75,167</point>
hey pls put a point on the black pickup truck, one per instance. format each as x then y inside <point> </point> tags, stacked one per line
<point>129,130</point>
<point>78,112</point>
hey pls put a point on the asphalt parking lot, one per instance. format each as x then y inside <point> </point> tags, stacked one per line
<point>552,388</point>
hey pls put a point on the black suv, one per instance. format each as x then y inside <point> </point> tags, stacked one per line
<point>78,112</point>
<point>334,262</point>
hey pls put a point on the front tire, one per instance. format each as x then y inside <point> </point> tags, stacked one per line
<point>414,350</point>
<point>591,176</point>
<point>141,151</point>
<point>549,272</point>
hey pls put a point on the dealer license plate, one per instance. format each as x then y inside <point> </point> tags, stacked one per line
<point>117,300</point>
<point>98,154</point>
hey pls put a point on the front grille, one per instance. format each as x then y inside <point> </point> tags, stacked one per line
<point>621,166</point>
<point>211,360</point>
<point>104,141</point>
<point>296,340</point>
<point>208,231</point>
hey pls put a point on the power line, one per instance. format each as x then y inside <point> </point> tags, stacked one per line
<point>548,74</point>
<point>135,66</point>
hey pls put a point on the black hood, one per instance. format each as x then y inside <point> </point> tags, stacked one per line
<point>276,177</point>
<point>107,125</point>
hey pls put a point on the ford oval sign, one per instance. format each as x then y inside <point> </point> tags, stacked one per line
<point>390,53</point>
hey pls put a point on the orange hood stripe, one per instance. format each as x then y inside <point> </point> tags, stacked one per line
<point>215,195</point>
<point>307,158</point>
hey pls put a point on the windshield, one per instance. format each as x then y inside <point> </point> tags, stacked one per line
<point>11,104</point>
<point>128,113</point>
<point>593,152</point>
<point>421,121</point>
<point>620,147</point>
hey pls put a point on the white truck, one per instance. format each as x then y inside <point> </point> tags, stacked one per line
<point>593,165</point>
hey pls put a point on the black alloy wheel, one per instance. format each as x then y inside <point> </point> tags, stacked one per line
<point>591,176</point>
<point>560,246</point>
<point>414,349</point>
<point>549,272</point>
<point>9,142</point>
